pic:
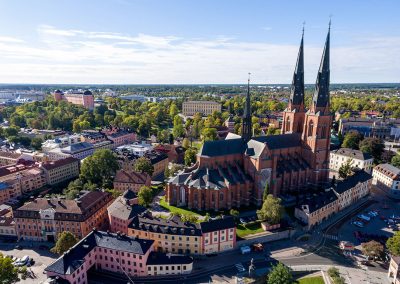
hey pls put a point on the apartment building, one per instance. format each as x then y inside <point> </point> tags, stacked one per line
<point>119,136</point>
<point>312,211</point>
<point>174,236</point>
<point>159,160</point>
<point>115,253</point>
<point>130,180</point>
<point>79,151</point>
<point>43,219</point>
<point>358,159</point>
<point>190,108</point>
<point>388,178</point>
<point>394,270</point>
<point>7,223</point>
<point>122,211</point>
<point>60,170</point>
<point>9,158</point>
<point>8,192</point>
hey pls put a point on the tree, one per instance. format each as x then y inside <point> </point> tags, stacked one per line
<point>66,240</point>
<point>145,196</point>
<point>280,274</point>
<point>36,143</point>
<point>273,131</point>
<point>271,210</point>
<point>266,191</point>
<point>372,249</point>
<point>345,170</point>
<point>99,168</point>
<point>8,273</point>
<point>393,244</point>
<point>186,143</point>
<point>178,129</point>
<point>373,146</point>
<point>143,165</point>
<point>234,213</point>
<point>173,110</point>
<point>209,134</point>
<point>352,139</point>
<point>10,131</point>
<point>190,156</point>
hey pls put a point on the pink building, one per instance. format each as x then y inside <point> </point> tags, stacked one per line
<point>122,211</point>
<point>120,136</point>
<point>85,99</point>
<point>113,253</point>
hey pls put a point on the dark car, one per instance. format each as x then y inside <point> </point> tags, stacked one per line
<point>18,247</point>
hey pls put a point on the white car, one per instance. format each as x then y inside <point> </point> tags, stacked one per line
<point>358,224</point>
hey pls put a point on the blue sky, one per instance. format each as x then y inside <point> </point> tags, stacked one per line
<point>209,41</point>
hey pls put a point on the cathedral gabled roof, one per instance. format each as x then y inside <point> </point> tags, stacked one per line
<point>222,147</point>
<point>280,141</point>
<point>297,89</point>
<point>321,94</point>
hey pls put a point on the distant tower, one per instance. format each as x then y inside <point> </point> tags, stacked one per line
<point>58,96</point>
<point>318,120</point>
<point>88,100</point>
<point>293,118</point>
<point>246,126</point>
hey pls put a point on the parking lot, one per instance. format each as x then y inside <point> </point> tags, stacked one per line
<point>42,258</point>
<point>376,226</point>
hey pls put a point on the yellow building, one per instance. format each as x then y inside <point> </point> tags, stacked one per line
<point>61,170</point>
<point>190,108</point>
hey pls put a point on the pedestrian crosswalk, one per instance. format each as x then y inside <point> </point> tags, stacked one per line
<point>331,237</point>
<point>240,267</point>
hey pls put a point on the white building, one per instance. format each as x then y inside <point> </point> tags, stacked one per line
<point>79,151</point>
<point>388,177</point>
<point>138,149</point>
<point>341,156</point>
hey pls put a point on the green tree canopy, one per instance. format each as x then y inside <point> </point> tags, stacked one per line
<point>271,210</point>
<point>8,273</point>
<point>373,146</point>
<point>352,140</point>
<point>99,168</point>
<point>209,134</point>
<point>345,169</point>
<point>280,274</point>
<point>190,156</point>
<point>143,165</point>
<point>65,241</point>
<point>145,196</point>
<point>36,143</point>
<point>186,143</point>
<point>393,244</point>
<point>178,129</point>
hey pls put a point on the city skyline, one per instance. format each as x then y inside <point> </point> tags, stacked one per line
<point>174,42</point>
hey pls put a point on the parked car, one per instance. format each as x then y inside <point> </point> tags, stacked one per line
<point>245,249</point>
<point>18,247</point>
<point>358,224</point>
<point>242,221</point>
<point>363,217</point>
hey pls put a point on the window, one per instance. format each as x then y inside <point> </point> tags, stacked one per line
<point>310,128</point>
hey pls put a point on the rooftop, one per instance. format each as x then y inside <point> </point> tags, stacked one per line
<point>351,153</point>
<point>50,165</point>
<point>318,201</point>
<point>222,147</point>
<point>77,147</point>
<point>123,176</point>
<point>388,170</point>
<point>156,258</point>
<point>122,210</point>
<point>352,181</point>
<point>226,222</point>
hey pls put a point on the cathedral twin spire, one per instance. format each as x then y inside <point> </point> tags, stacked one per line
<point>246,126</point>
<point>320,100</point>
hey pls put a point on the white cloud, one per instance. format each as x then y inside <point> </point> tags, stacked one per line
<point>8,39</point>
<point>76,56</point>
<point>267,28</point>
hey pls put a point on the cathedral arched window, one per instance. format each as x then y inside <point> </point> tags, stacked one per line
<point>300,127</point>
<point>221,197</point>
<point>310,128</point>
<point>288,124</point>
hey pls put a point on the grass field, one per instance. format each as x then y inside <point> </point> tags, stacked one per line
<point>174,209</point>
<point>311,280</point>
<point>248,229</point>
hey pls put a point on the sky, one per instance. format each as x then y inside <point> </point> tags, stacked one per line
<point>195,42</point>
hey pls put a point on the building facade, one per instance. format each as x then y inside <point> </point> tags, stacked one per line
<point>115,253</point>
<point>394,270</point>
<point>358,159</point>
<point>174,236</point>
<point>388,178</point>
<point>79,150</point>
<point>190,108</point>
<point>43,219</point>
<point>85,99</point>
<point>234,172</point>
<point>60,170</point>
<point>130,180</point>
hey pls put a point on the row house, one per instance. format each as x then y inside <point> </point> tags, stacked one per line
<point>174,236</point>
<point>317,209</point>
<point>357,159</point>
<point>116,253</point>
<point>60,170</point>
<point>130,180</point>
<point>43,219</point>
<point>387,177</point>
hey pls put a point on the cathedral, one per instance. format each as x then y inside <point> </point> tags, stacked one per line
<point>234,172</point>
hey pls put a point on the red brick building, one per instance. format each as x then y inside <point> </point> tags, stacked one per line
<point>234,172</point>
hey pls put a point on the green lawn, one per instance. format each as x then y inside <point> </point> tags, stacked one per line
<point>311,280</point>
<point>248,229</point>
<point>174,209</point>
<point>197,144</point>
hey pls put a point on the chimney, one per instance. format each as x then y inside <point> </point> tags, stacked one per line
<point>79,203</point>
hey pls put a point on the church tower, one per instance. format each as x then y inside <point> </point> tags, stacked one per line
<point>318,120</point>
<point>246,126</point>
<point>293,117</point>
